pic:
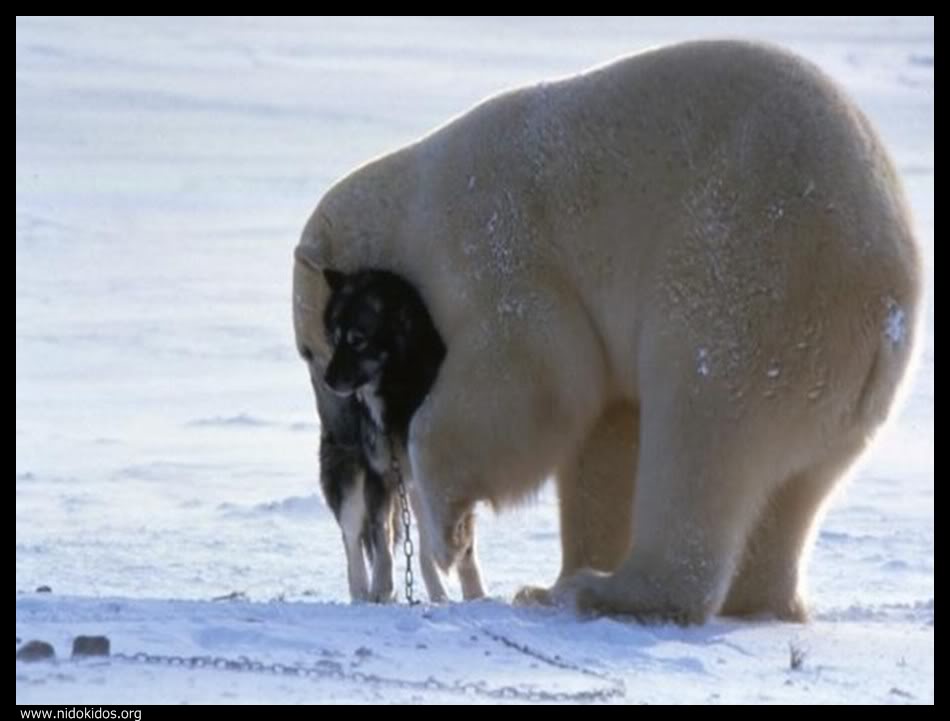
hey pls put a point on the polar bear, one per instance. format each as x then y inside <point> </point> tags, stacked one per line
<point>684,284</point>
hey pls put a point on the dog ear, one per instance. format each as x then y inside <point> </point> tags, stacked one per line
<point>334,278</point>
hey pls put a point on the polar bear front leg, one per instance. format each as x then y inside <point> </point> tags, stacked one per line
<point>430,571</point>
<point>700,488</point>
<point>595,493</point>
<point>595,498</point>
<point>500,418</point>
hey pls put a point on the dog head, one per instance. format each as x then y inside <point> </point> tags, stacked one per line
<point>370,321</point>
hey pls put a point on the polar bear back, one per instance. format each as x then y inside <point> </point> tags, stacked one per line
<point>711,207</point>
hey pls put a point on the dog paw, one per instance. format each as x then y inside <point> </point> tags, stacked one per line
<point>385,593</point>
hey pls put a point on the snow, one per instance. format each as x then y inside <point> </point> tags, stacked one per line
<point>895,323</point>
<point>702,362</point>
<point>165,429</point>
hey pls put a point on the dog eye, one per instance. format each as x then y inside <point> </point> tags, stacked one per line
<point>356,340</point>
<point>337,336</point>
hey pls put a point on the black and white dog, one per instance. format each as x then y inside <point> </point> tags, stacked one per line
<point>386,354</point>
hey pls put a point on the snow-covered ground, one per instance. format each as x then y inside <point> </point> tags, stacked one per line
<point>165,431</point>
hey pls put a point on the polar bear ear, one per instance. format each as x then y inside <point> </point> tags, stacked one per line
<point>334,278</point>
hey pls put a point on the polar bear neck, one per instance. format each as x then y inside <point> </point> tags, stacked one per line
<point>357,225</point>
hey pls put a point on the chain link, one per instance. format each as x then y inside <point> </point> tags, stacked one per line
<point>331,670</point>
<point>407,546</point>
<point>616,688</point>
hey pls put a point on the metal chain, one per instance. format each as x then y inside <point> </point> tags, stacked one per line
<point>618,688</point>
<point>331,670</point>
<point>407,546</point>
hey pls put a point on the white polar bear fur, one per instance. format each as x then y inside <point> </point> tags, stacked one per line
<point>684,284</point>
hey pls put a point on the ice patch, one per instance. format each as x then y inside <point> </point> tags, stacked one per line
<point>293,507</point>
<point>238,421</point>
